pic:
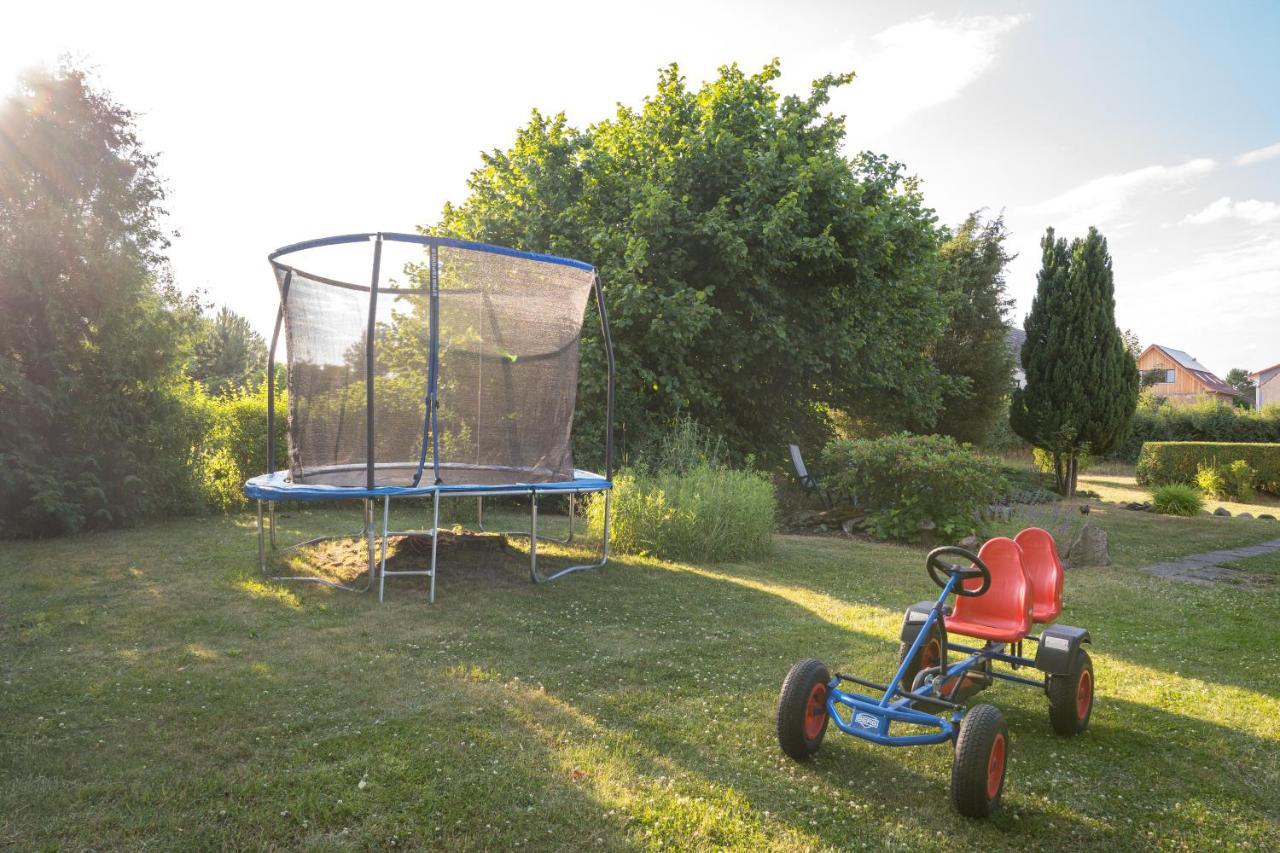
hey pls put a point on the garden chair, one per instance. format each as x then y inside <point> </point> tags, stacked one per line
<point>808,482</point>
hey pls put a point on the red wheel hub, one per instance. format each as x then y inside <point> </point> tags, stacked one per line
<point>995,767</point>
<point>815,711</point>
<point>1084,694</point>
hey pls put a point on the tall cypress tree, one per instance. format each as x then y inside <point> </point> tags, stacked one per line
<point>1081,381</point>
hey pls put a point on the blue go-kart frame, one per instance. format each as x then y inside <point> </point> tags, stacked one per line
<point>935,699</point>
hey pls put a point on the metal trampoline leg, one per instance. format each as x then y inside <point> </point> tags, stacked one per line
<point>533,536</point>
<point>573,501</point>
<point>368,536</point>
<point>604,550</point>
<point>480,512</point>
<point>271,515</point>
<point>382,575</point>
<point>435,541</point>
<point>262,545</point>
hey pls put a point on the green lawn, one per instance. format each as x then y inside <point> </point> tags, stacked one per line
<point>156,694</point>
<point>1268,564</point>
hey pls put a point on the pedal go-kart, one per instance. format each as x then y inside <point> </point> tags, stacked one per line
<point>1001,591</point>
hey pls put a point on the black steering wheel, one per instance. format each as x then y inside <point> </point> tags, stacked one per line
<point>973,567</point>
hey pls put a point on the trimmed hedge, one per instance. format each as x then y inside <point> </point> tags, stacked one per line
<point>1162,462</point>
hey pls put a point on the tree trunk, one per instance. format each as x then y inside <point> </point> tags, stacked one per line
<point>1059,473</point>
<point>1073,466</point>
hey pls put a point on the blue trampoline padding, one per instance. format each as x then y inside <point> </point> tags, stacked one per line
<point>276,487</point>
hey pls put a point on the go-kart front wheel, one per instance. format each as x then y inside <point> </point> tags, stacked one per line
<point>802,709</point>
<point>977,771</point>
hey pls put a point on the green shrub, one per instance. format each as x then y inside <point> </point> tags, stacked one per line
<point>1177,499</point>
<point>1211,480</point>
<point>1232,482</point>
<point>234,445</point>
<point>703,514</point>
<point>912,482</point>
<point>1163,462</point>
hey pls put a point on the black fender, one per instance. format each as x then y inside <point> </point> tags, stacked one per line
<point>1057,648</point>
<point>913,620</point>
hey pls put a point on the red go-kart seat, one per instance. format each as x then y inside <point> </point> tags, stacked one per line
<point>1003,612</point>
<point>1044,573</point>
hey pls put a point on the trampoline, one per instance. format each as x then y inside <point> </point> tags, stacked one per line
<point>460,381</point>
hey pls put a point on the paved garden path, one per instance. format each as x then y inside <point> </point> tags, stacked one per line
<point>1204,568</point>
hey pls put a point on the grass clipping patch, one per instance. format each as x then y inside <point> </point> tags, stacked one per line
<point>704,513</point>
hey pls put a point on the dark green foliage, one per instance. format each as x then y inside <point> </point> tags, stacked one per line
<point>1158,419</point>
<point>1081,379</point>
<point>227,355</point>
<point>756,278</point>
<point>972,350</point>
<point>914,483</point>
<point>93,430</point>
<point>1164,462</point>
<point>1177,499</point>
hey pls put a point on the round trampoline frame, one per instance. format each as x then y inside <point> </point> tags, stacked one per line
<point>275,486</point>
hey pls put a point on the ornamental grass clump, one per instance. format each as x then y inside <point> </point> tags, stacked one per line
<point>1177,499</point>
<point>683,501</point>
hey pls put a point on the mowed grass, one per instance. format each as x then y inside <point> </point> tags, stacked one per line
<point>157,694</point>
<point>1263,564</point>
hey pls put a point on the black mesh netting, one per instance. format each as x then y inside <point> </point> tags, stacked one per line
<point>507,376</point>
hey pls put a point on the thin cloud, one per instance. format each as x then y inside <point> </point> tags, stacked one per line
<point>1258,155</point>
<point>1251,210</point>
<point>918,64</point>
<point>1100,200</point>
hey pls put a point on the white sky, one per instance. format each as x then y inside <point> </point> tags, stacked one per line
<point>284,122</point>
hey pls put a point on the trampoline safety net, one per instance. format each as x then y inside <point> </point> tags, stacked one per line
<point>489,336</point>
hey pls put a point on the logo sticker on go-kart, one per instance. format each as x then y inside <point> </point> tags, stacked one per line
<point>867,721</point>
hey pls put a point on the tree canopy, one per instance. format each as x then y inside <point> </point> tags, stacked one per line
<point>1081,379</point>
<point>756,277</point>
<point>91,329</point>
<point>973,350</point>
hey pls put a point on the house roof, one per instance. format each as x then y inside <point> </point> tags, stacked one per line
<point>1266,374</point>
<point>1205,376</point>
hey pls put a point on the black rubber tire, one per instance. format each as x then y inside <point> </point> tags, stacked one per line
<point>909,677</point>
<point>1065,714</point>
<point>793,703</point>
<point>980,731</point>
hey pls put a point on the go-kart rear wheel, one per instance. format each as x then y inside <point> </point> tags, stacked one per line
<point>1071,696</point>
<point>802,709</point>
<point>982,753</point>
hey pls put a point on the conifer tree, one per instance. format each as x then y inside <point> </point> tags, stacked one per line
<point>1081,380</point>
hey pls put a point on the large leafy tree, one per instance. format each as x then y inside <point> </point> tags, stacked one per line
<point>91,330</point>
<point>973,350</point>
<point>227,355</point>
<point>756,277</point>
<point>1082,380</point>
